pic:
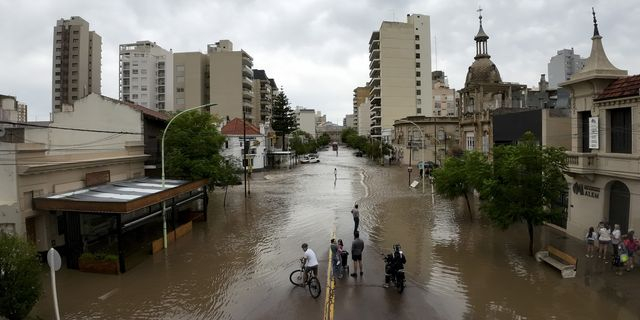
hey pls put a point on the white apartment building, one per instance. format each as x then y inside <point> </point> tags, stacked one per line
<point>400,72</point>
<point>146,75</point>
<point>360,95</point>
<point>562,66</point>
<point>264,92</point>
<point>76,62</point>
<point>349,121</point>
<point>603,173</point>
<point>306,119</point>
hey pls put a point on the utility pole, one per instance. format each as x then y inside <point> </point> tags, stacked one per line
<point>245,148</point>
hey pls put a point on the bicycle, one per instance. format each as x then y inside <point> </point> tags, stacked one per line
<point>297,278</point>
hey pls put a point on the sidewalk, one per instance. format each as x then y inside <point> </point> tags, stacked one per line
<point>594,273</point>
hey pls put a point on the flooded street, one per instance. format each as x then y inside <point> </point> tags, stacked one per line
<point>236,265</point>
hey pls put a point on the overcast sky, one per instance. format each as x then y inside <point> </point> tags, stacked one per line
<point>316,49</point>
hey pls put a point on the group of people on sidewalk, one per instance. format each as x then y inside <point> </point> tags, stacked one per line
<point>624,246</point>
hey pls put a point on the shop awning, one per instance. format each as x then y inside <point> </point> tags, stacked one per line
<point>117,197</point>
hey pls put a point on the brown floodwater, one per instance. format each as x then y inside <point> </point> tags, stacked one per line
<point>236,265</point>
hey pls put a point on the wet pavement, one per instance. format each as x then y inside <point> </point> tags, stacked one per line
<point>236,265</point>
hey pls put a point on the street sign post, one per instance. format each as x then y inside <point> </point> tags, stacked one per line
<point>55,262</point>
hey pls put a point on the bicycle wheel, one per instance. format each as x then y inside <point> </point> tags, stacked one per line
<point>314,287</point>
<point>297,278</point>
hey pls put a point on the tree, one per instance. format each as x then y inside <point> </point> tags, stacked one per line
<point>192,148</point>
<point>225,175</point>
<point>460,176</point>
<point>283,119</point>
<point>20,285</point>
<point>525,181</point>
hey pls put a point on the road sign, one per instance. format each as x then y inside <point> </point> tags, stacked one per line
<point>53,259</point>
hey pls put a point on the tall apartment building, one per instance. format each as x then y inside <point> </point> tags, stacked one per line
<point>306,119</point>
<point>444,98</point>
<point>146,75</point>
<point>231,81</point>
<point>221,76</point>
<point>76,61</point>
<point>190,79</point>
<point>562,66</point>
<point>360,95</point>
<point>263,94</point>
<point>400,72</point>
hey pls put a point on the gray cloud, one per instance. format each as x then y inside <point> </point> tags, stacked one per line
<point>316,50</point>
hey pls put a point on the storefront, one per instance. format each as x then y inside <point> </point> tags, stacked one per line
<point>122,219</point>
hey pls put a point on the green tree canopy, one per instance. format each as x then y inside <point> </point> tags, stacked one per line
<point>20,285</point>
<point>460,176</point>
<point>525,181</point>
<point>283,119</point>
<point>192,149</point>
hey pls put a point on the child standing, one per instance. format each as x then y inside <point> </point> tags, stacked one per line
<point>591,239</point>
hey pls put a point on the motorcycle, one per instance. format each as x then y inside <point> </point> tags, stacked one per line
<point>394,269</point>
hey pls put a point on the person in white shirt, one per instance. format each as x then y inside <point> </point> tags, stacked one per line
<point>616,238</point>
<point>310,261</point>
<point>604,239</point>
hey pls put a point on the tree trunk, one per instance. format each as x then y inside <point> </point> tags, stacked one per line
<point>283,144</point>
<point>530,228</point>
<point>468,206</point>
<point>224,203</point>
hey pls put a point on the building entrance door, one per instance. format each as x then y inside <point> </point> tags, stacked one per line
<point>619,205</point>
<point>31,229</point>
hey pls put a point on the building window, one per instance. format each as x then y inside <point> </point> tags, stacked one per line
<point>470,140</point>
<point>583,117</point>
<point>134,96</point>
<point>417,64</point>
<point>417,46</point>
<point>418,92</point>
<point>143,88</point>
<point>179,89</point>
<point>419,101</point>
<point>180,101</point>
<point>179,79</point>
<point>417,56</point>
<point>417,73</point>
<point>417,37</point>
<point>620,130</point>
<point>134,71</point>
<point>418,83</point>
<point>180,68</point>
<point>419,110</point>
<point>143,71</point>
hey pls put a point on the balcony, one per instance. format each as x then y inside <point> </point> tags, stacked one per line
<point>247,72</point>
<point>374,73</point>
<point>375,90</point>
<point>247,93</point>
<point>247,83</point>
<point>374,55</point>
<point>374,45</point>
<point>375,100</point>
<point>612,164</point>
<point>374,64</point>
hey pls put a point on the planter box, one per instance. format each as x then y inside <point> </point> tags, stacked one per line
<point>99,266</point>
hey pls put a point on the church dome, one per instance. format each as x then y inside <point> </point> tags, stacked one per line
<point>483,71</point>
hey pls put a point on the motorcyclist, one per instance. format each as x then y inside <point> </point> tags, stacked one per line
<point>395,262</point>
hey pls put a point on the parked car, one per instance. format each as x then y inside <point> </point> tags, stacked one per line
<point>309,158</point>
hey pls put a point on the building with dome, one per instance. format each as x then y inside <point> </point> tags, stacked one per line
<point>483,93</point>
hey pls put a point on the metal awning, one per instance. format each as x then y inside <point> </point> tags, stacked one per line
<point>117,197</point>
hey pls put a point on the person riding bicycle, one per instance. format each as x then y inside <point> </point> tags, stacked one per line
<point>397,262</point>
<point>310,261</point>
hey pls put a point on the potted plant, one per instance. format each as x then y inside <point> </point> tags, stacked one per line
<point>99,263</point>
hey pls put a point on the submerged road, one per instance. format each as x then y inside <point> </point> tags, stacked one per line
<point>236,265</point>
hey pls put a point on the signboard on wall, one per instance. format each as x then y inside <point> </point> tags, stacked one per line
<point>593,133</point>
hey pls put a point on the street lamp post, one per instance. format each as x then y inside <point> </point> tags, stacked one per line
<point>164,207</point>
<point>422,140</point>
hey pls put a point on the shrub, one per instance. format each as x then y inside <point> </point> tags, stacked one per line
<point>20,284</point>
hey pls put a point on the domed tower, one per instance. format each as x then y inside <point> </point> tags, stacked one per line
<point>483,70</point>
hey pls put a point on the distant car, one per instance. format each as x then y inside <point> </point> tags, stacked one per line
<point>358,154</point>
<point>308,158</point>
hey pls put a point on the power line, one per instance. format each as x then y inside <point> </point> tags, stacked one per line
<point>63,128</point>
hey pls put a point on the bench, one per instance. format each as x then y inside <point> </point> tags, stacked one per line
<point>559,260</point>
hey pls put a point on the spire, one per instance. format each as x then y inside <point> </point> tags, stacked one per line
<point>481,40</point>
<point>597,65</point>
<point>595,23</point>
